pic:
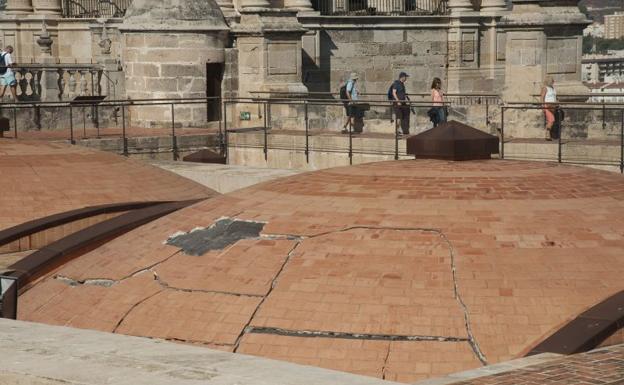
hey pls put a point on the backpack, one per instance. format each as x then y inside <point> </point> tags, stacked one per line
<point>390,96</point>
<point>343,92</point>
<point>3,66</point>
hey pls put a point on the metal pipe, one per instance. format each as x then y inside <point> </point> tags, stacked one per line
<point>123,130</point>
<point>559,142</point>
<point>604,111</point>
<point>396,134</point>
<point>266,150</point>
<point>226,144</point>
<point>503,132</point>
<point>622,141</point>
<point>307,129</point>
<point>174,140</point>
<point>15,121</point>
<point>71,125</point>
<point>350,141</point>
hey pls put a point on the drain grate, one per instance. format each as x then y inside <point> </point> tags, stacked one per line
<point>221,234</point>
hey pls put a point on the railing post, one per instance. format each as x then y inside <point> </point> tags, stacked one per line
<point>396,132</point>
<point>15,121</point>
<point>224,148</point>
<point>265,148</point>
<point>174,141</point>
<point>350,139</point>
<point>559,142</point>
<point>71,125</point>
<point>604,112</point>
<point>487,112</point>
<point>123,130</point>
<point>307,129</point>
<point>622,141</point>
<point>502,132</point>
<point>84,122</point>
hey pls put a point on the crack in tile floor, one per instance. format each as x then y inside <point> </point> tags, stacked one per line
<point>351,336</point>
<point>471,338</point>
<point>304,333</point>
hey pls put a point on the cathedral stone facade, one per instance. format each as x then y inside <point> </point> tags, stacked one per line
<point>242,48</point>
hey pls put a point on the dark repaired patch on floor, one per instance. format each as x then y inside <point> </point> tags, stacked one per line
<point>221,234</point>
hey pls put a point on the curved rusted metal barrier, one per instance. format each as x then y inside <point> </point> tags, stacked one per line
<point>57,253</point>
<point>37,225</point>
<point>588,330</point>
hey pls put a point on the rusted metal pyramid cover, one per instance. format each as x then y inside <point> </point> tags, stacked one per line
<point>453,141</point>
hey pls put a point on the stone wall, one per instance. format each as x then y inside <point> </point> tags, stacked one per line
<point>376,53</point>
<point>169,65</point>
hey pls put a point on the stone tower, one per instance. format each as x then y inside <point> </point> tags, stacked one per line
<point>169,50</point>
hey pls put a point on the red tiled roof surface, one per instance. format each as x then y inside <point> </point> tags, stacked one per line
<point>603,366</point>
<point>403,270</point>
<point>38,179</point>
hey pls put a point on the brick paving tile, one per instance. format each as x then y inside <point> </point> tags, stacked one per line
<point>367,281</point>
<point>191,316</point>
<point>85,306</point>
<point>354,356</point>
<point>411,361</point>
<point>43,178</point>
<point>533,245</point>
<point>603,366</point>
<point>247,267</point>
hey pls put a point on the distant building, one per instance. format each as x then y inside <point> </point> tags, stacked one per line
<point>610,92</point>
<point>595,30</point>
<point>614,26</point>
<point>599,68</point>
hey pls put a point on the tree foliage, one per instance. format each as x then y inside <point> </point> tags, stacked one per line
<point>602,45</point>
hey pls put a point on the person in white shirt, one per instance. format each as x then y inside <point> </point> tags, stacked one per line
<point>7,76</point>
<point>549,103</point>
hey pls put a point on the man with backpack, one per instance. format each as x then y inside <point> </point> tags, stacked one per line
<point>7,76</point>
<point>349,93</point>
<point>398,94</point>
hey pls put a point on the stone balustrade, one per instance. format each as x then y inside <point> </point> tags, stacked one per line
<point>68,81</point>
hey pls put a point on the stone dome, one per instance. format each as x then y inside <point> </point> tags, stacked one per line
<point>400,270</point>
<point>191,15</point>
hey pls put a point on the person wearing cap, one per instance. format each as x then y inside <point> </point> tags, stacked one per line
<point>352,95</point>
<point>401,108</point>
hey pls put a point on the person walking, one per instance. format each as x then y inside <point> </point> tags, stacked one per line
<point>549,100</point>
<point>401,108</point>
<point>437,99</point>
<point>351,93</point>
<point>7,76</point>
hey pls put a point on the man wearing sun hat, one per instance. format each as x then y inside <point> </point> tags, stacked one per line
<point>352,94</point>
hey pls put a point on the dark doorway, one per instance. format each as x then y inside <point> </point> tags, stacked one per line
<point>214,76</point>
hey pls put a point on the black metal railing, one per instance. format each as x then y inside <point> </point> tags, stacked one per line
<point>95,8</point>
<point>380,7</point>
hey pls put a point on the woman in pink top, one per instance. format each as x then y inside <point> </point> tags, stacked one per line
<point>437,98</point>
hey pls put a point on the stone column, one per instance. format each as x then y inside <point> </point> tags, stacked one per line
<point>246,4</point>
<point>49,80</point>
<point>19,6</point>
<point>47,7</point>
<point>488,6</point>
<point>226,6</point>
<point>298,5</point>
<point>459,6</point>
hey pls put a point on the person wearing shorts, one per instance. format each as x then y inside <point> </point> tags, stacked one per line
<point>549,103</point>
<point>8,78</point>
<point>352,95</point>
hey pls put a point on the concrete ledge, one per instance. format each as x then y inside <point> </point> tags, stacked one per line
<point>37,354</point>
